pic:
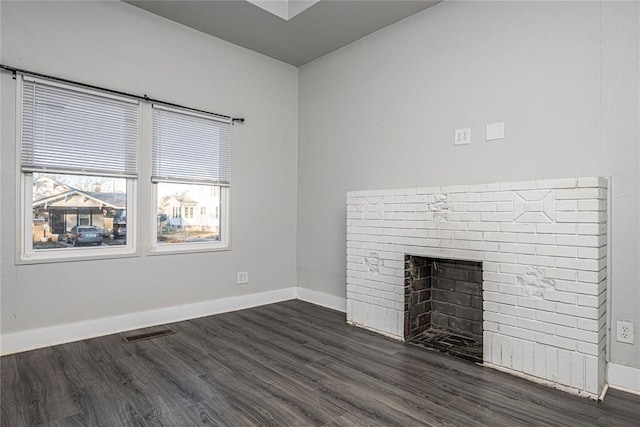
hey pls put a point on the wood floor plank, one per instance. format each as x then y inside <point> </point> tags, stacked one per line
<point>513,395</point>
<point>266,338</point>
<point>295,394</point>
<point>281,361</point>
<point>377,406</point>
<point>285,364</point>
<point>426,407</point>
<point>251,402</point>
<point>328,332</point>
<point>355,419</point>
<point>41,382</point>
<point>103,404</point>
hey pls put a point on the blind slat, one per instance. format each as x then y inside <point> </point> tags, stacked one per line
<point>191,148</point>
<point>68,129</point>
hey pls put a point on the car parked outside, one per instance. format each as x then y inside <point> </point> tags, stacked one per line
<point>120,230</point>
<point>84,234</point>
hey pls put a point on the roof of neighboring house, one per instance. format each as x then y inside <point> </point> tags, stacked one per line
<point>186,200</point>
<point>117,200</point>
<point>180,198</point>
<point>112,200</point>
<point>45,187</point>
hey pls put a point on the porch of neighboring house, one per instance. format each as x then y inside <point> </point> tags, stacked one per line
<point>55,216</point>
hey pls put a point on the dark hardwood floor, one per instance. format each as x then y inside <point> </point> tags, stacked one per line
<point>286,364</point>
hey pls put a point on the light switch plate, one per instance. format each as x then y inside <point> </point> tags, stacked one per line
<point>462,136</point>
<point>495,131</point>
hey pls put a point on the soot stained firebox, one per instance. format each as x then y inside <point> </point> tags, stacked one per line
<point>443,306</point>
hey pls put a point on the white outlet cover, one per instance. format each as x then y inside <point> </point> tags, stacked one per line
<point>624,332</point>
<point>462,137</point>
<point>495,131</point>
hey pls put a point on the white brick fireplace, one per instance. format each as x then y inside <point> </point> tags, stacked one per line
<point>543,248</point>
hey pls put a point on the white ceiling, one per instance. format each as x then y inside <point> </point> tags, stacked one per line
<point>290,31</point>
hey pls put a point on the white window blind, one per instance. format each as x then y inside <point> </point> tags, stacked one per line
<point>67,129</point>
<point>190,147</point>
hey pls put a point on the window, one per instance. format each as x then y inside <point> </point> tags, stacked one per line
<point>79,174</point>
<point>78,154</point>
<point>190,169</point>
<point>84,218</point>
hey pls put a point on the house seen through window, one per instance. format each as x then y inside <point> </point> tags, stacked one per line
<point>194,225</point>
<point>78,210</point>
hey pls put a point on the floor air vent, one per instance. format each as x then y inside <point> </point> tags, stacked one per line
<point>148,335</point>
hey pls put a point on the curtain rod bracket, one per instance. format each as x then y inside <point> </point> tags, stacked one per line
<point>237,119</point>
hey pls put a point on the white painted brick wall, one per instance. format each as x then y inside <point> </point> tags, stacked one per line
<point>543,248</point>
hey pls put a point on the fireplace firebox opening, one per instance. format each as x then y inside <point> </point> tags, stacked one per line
<point>443,306</point>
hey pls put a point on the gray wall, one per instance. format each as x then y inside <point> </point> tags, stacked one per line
<point>118,46</point>
<point>381,112</point>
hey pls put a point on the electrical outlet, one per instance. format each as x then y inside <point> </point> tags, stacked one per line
<point>462,136</point>
<point>624,332</point>
<point>243,278</point>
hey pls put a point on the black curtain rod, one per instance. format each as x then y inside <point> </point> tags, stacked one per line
<point>116,92</point>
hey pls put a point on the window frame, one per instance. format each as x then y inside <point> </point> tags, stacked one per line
<point>141,189</point>
<point>223,190</point>
<point>224,244</point>
<point>26,254</point>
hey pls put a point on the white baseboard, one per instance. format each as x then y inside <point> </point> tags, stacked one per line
<point>532,378</point>
<point>60,334</point>
<point>623,378</point>
<point>322,299</point>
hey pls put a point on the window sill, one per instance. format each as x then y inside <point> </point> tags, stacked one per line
<point>188,248</point>
<point>76,254</point>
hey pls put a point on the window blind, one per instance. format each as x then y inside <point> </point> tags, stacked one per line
<point>69,129</point>
<point>190,147</point>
